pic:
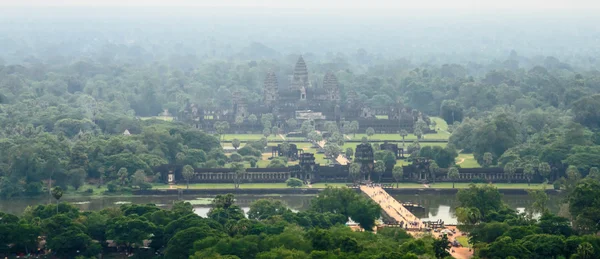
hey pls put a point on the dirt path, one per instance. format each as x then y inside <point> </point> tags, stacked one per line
<point>459,252</point>
<point>281,136</point>
<point>461,161</point>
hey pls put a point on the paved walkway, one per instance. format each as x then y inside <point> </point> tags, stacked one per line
<point>392,207</point>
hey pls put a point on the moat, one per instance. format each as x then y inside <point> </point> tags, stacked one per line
<point>436,206</point>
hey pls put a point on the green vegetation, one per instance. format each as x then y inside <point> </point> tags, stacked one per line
<point>496,231</point>
<point>271,230</point>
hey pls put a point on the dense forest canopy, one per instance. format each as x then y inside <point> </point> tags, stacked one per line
<point>68,91</point>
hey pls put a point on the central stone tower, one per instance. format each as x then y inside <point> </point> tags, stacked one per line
<point>300,78</point>
<point>270,89</point>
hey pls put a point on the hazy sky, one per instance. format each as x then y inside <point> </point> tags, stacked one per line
<point>330,4</point>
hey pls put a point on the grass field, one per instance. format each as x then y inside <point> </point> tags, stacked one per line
<point>324,185</point>
<point>468,162</point>
<point>248,137</point>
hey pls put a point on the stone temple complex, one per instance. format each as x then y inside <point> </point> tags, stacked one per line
<point>303,100</point>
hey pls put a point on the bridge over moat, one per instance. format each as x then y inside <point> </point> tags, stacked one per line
<point>393,208</point>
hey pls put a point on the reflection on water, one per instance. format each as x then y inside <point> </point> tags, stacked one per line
<point>436,206</point>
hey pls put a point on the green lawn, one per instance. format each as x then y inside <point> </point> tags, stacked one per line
<point>397,137</point>
<point>440,124</point>
<point>463,240</point>
<point>248,137</point>
<point>468,162</point>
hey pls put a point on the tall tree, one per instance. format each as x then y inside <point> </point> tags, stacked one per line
<point>353,127</point>
<point>57,193</point>
<point>433,170</point>
<point>544,169</point>
<point>239,171</point>
<point>188,174</point>
<point>509,170</point>
<point>453,175</point>
<point>354,171</point>
<point>398,174</point>
<point>379,168</point>
<point>370,132</point>
<point>235,143</point>
<point>528,171</point>
<point>488,159</point>
<point>403,134</point>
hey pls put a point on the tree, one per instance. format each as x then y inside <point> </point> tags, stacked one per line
<point>353,127</point>
<point>594,173</point>
<point>307,127</point>
<point>544,169</point>
<point>266,132</point>
<point>235,143</point>
<point>221,127</point>
<point>398,174</point>
<point>239,120</point>
<point>315,136</point>
<point>488,159</point>
<point>252,119</point>
<point>379,169</point>
<point>370,132</point>
<point>453,175</point>
<point>349,152</point>
<point>188,174</point>
<point>451,111</point>
<point>585,250</point>
<point>292,123</point>
<point>540,201</point>
<point>583,205</point>
<point>262,209</point>
<point>130,230</point>
<point>441,247</point>
<point>354,171</point>
<point>294,182</point>
<point>275,131</point>
<point>364,140</point>
<point>433,169</point>
<point>332,150</point>
<point>139,180</point>
<point>509,170</point>
<point>403,134</point>
<point>77,177</point>
<point>240,171</point>
<point>57,193</point>
<point>528,171</point>
<point>418,132</point>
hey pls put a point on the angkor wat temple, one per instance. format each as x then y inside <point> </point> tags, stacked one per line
<point>302,101</point>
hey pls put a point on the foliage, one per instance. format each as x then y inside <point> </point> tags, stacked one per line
<point>294,182</point>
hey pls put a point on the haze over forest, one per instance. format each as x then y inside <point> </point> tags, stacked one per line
<point>422,36</point>
<point>133,97</point>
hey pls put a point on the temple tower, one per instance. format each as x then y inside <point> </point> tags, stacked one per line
<point>330,83</point>
<point>270,89</point>
<point>300,77</point>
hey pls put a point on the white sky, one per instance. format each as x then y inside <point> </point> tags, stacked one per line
<point>330,4</point>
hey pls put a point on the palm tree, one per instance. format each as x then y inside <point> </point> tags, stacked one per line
<point>403,134</point>
<point>57,193</point>
<point>453,174</point>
